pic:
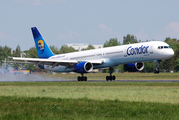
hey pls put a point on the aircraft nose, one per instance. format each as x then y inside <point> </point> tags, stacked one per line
<point>170,53</point>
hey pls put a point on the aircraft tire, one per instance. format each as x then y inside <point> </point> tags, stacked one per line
<point>85,78</point>
<point>114,77</point>
<point>107,78</point>
<point>79,78</point>
<point>156,72</point>
<point>82,78</point>
<point>110,78</point>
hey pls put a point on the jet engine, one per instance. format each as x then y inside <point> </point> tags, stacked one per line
<point>134,67</point>
<point>83,67</point>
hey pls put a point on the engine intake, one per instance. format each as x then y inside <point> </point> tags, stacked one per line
<point>83,67</point>
<point>134,67</point>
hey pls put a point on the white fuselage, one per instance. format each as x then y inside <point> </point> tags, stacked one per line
<point>114,56</point>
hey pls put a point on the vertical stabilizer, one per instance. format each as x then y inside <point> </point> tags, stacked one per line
<point>43,49</point>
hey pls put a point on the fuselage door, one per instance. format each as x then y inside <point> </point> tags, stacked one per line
<point>151,49</point>
<point>125,52</point>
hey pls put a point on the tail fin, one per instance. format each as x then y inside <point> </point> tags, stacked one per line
<point>43,49</point>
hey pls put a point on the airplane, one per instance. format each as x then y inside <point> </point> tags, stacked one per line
<point>131,56</point>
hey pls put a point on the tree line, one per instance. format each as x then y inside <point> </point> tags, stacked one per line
<point>171,64</point>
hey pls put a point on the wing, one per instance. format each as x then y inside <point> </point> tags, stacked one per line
<point>53,62</point>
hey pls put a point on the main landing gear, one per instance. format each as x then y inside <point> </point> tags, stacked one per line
<point>156,71</point>
<point>82,78</point>
<point>110,77</point>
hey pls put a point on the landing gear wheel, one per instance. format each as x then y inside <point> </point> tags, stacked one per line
<point>79,78</point>
<point>82,78</point>
<point>85,78</point>
<point>110,78</point>
<point>107,78</point>
<point>114,77</point>
<point>156,72</point>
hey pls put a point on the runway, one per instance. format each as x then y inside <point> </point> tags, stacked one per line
<point>39,78</point>
<point>52,80</point>
<point>118,81</point>
<point>134,81</point>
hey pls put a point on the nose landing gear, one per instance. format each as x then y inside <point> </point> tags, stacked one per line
<point>156,71</point>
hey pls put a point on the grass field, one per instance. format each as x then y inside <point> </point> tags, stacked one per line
<point>89,100</point>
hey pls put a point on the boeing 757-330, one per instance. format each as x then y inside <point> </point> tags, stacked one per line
<point>131,56</point>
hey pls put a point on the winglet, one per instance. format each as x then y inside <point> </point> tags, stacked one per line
<point>43,49</point>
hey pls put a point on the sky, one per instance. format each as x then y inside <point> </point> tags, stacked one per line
<point>86,21</point>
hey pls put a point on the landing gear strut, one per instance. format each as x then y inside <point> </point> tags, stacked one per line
<point>156,71</point>
<point>82,78</point>
<point>110,77</point>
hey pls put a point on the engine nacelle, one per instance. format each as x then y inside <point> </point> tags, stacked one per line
<point>134,67</point>
<point>83,67</point>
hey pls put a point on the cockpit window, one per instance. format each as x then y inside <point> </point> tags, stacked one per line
<point>163,47</point>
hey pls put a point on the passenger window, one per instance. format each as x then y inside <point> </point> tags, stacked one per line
<point>158,47</point>
<point>161,47</point>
